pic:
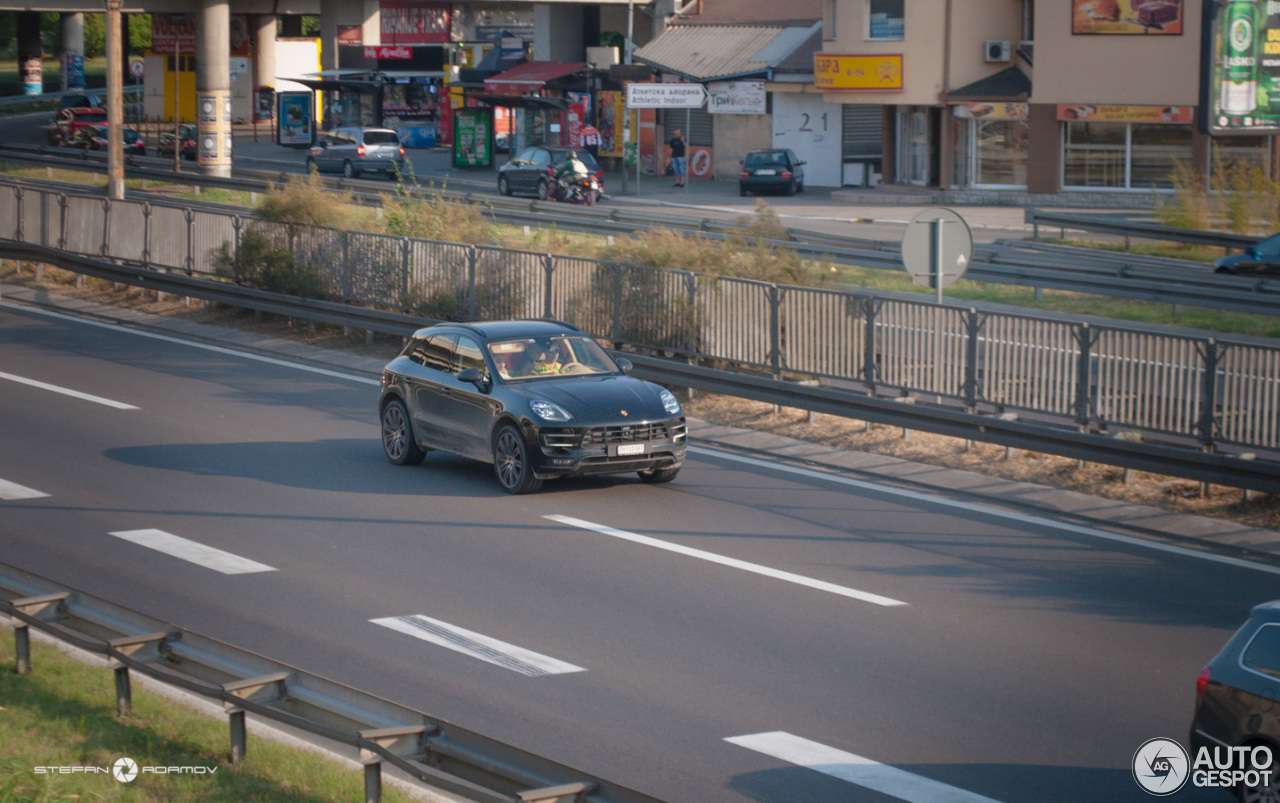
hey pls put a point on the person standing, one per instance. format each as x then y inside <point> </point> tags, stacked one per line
<point>678,145</point>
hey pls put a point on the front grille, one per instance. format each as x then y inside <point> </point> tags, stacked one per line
<point>633,433</point>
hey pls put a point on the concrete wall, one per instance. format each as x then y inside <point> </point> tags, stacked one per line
<point>734,135</point>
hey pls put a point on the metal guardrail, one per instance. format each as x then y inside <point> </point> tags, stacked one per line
<point>1054,429</point>
<point>430,749</point>
<point>1130,228</point>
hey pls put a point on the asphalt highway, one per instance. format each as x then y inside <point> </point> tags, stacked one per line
<point>747,633</point>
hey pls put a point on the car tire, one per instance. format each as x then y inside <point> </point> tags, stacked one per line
<point>349,170</point>
<point>658,475</point>
<point>1262,794</point>
<point>790,189</point>
<point>397,436</point>
<point>543,190</point>
<point>504,186</point>
<point>312,167</point>
<point>511,463</point>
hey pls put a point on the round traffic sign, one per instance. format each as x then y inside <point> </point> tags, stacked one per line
<point>937,241</point>
<point>137,67</point>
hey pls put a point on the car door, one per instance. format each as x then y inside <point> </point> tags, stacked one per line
<point>518,173</point>
<point>468,412</point>
<point>433,360</point>
<point>797,166</point>
<point>538,170</point>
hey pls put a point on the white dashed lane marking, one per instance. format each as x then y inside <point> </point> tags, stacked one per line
<point>798,579</point>
<point>10,491</point>
<point>855,769</point>
<point>476,645</point>
<point>199,554</point>
<point>21,380</point>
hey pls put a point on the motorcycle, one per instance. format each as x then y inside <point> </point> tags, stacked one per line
<point>583,190</point>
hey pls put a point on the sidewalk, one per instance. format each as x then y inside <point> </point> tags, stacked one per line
<point>1128,520</point>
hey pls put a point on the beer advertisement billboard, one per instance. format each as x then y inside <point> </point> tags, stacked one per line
<point>1240,84</point>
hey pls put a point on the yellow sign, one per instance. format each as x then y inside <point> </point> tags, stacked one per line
<point>834,73</point>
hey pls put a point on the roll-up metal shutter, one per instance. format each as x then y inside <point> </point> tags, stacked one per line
<point>862,131</point>
<point>699,131</point>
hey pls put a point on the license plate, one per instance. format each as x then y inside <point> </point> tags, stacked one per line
<point>631,448</point>
<point>766,172</point>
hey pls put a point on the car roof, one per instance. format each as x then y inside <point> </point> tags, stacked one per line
<point>505,330</point>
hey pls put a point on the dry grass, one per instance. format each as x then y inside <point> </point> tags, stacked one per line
<point>1169,493</point>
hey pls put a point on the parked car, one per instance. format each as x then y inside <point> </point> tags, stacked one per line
<point>353,151</point>
<point>186,135</point>
<point>94,138</point>
<point>537,399</point>
<point>72,119</point>
<point>778,170</point>
<point>1262,257</point>
<point>533,171</point>
<point>78,100</point>
<point>1236,695</point>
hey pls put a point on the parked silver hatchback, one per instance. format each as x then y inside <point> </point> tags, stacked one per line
<point>353,151</point>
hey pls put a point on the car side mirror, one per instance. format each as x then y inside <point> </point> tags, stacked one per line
<point>474,376</point>
<point>1252,252</point>
<point>624,364</point>
<point>799,163</point>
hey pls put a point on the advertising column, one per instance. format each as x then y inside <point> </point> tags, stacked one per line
<point>213,108</point>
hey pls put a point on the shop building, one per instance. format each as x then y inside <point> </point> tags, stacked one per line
<point>1017,101</point>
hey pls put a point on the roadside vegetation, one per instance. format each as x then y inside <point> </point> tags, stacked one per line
<point>63,714</point>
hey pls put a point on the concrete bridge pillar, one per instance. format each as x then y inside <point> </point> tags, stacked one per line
<point>213,88</point>
<point>72,48</point>
<point>264,50</point>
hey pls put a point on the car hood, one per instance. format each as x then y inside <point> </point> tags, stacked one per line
<point>599,398</point>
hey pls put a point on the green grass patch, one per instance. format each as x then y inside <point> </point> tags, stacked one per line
<point>63,714</point>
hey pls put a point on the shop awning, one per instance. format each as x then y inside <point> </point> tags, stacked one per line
<point>1010,84</point>
<point>530,76</point>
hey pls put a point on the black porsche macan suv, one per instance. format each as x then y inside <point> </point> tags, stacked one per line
<point>538,399</point>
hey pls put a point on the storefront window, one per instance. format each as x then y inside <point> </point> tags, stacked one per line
<point>1124,155</point>
<point>1154,153</point>
<point>1001,152</point>
<point>1094,155</point>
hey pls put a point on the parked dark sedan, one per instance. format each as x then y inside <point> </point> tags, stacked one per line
<point>538,399</point>
<point>533,171</point>
<point>1236,698</point>
<point>778,170</point>
<point>1262,257</point>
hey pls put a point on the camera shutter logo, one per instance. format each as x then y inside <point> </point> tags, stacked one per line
<point>1161,766</point>
<point>125,769</point>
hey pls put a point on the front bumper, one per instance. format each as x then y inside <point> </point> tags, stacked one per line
<point>613,449</point>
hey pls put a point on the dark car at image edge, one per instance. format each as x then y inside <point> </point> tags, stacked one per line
<point>1238,697</point>
<point>538,399</point>
<point>1261,258</point>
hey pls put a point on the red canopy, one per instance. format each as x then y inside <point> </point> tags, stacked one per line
<point>529,76</point>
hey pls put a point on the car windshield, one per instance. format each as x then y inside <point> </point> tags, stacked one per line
<point>381,138</point>
<point>770,159</point>
<point>542,357</point>
<point>1270,245</point>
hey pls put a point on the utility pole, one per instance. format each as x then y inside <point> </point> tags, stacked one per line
<point>115,104</point>
<point>626,120</point>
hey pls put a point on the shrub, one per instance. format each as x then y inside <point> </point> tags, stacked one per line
<point>409,213</point>
<point>304,200</point>
<point>266,266</point>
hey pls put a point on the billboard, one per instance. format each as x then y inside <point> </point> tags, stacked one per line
<point>1126,17</point>
<point>843,73</point>
<point>1240,68</point>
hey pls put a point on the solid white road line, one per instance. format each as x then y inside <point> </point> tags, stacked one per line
<point>67,392</point>
<point>852,593</point>
<point>489,650</point>
<point>206,556</point>
<point>986,510</point>
<point>855,769</point>
<point>12,490</point>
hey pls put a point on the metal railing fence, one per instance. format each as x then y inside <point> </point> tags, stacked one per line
<point>1196,389</point>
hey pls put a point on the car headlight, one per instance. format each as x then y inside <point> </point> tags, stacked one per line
<point>549,411</point>
<point>669,402</point>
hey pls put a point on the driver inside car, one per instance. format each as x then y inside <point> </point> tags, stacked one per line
<point>546,360</point>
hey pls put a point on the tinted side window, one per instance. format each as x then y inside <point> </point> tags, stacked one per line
<point>541,157</point>
<point>469,355</point>
<point>1263,651</point>
<point>527,155</point>
<point>439,352</point>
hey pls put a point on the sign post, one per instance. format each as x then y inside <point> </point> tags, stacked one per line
<point>664,96</point>
<point>936,250</point>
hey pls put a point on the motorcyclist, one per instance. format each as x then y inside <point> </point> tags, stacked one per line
<point>572,169</point>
